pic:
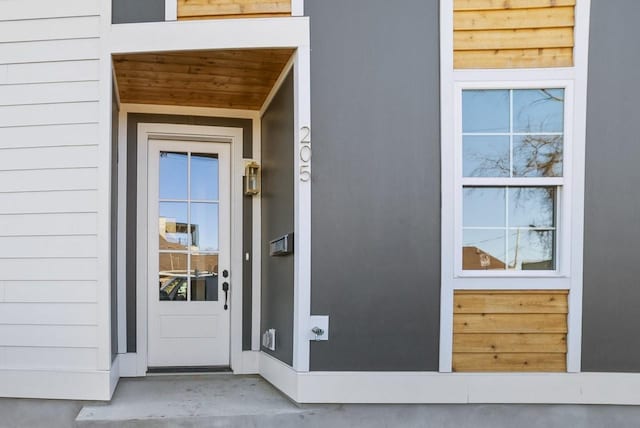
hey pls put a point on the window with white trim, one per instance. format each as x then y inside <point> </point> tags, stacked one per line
<point>511,157</point>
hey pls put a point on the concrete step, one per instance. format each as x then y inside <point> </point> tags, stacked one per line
<point>212,400</point>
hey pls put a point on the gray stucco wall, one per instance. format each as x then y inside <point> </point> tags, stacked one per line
<point>133,119</point>
<point>277,219</point>
<point>612,199</point>
<point>128,11</point>
<point>376,183</point>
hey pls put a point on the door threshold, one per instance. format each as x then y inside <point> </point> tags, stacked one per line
<point>189,370</point>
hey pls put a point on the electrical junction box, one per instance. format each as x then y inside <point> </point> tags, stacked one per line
<point>269,339</point>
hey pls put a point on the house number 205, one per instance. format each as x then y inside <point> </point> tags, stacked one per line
<point>305,154</point>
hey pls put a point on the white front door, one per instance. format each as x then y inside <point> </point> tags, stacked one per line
<point>189,260</point>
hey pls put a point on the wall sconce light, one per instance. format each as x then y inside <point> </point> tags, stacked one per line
<point>252,178</point>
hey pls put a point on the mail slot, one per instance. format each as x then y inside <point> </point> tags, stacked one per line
<point>281,246</point>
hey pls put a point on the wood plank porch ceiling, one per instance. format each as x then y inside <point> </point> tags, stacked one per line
<point>236,79</point>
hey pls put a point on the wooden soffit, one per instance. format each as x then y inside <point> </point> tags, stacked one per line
<point>236,79</point>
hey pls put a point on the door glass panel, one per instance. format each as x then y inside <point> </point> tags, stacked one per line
<point>188,231</point>
<point>173,276</point>
<point>204,277</point>
<point>204,177</point>
<point>173,175</point>
<point>204,226</point>
<point>173,226</point>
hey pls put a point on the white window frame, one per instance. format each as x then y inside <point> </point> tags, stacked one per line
<point>571,279</point>
<point>465,279</point>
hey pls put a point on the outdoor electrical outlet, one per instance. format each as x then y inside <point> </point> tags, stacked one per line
<point>269,339</point>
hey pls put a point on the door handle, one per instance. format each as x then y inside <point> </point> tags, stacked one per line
<point>225,288</point>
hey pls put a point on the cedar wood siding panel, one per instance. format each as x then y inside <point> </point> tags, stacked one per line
<point>48,192</point>
<point>610,342</point>
<point>376,183</point>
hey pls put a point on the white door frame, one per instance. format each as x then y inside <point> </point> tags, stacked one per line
<point>233,136</point>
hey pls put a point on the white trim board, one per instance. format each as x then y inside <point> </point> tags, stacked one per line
<point>451,388</point>
<point>244,33</point>
<point>170,10</point>
<point>56,384</point>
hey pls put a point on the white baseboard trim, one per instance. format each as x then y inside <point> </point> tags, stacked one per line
<point>279,375</point>
<point>128,364</point>
<point>451,388</point>
<point>250,363</point>
<point>114,375</point>
<point>50,384</point>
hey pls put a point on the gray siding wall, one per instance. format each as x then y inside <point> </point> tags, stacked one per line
<point>612,201</point>
<point>277,219</point>
<point>376,183</point>
<point>128,11</point>
<point>133,119</point>
<point>114,224</point>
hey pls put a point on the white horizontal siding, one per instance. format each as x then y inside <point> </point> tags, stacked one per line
<point>49,72</point>
<point>49,135</point>
<point>48,114</point>
<point>49,202</point>
<point>48,158</point>
<point>49,29</point>
<point>48,246</point>
<point>48,93</point>
<point>49,50</point>
<point>48,291</point>
<point>48,314</point>
<point>48,224</point>
<point>35,9</point>
<point>79,269</point>
<point>80,336</point>
<point>39,358</point>
<point>48,180</point>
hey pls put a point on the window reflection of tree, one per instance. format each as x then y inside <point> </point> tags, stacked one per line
<point>533,155</point>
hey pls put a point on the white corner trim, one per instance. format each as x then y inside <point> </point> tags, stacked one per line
<point>58,384</point>
<point>447,94</point>
<point>302,152</point>
<point>105,155</point>
<point>297,7</point>
<point>581,63</point>
<point>170,10</point>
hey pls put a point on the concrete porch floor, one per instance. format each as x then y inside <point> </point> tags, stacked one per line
<point>223,400</point>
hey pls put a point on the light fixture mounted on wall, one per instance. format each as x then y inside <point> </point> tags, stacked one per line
<point>252,178</point>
